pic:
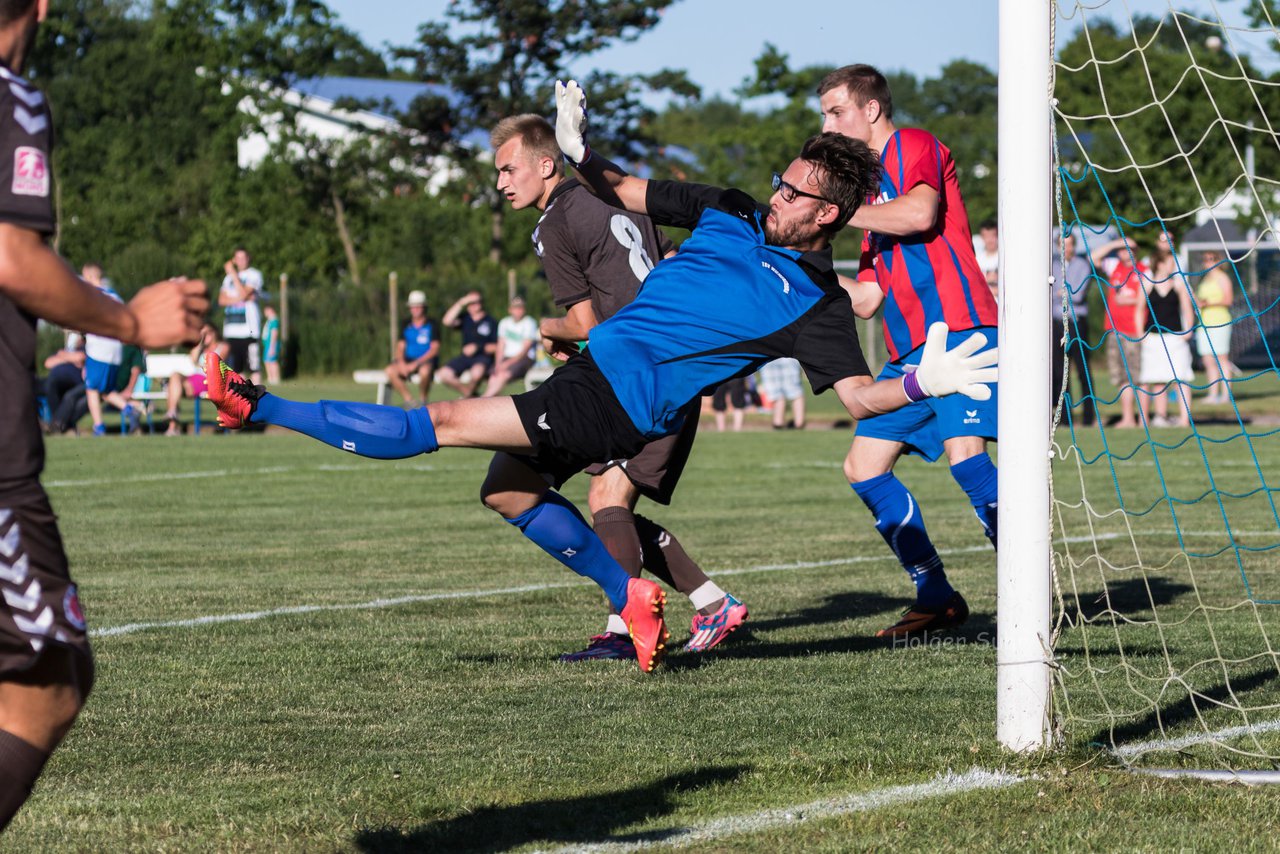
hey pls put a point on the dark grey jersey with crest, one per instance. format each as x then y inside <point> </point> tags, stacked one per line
<point>26,201</point>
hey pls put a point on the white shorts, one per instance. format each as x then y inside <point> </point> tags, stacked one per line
<point>1165,358</point>
<point>1219,337</point>
<point>780,380</point>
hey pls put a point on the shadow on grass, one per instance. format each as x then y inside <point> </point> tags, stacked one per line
<point>1127,598</point>
<point>590,818</point>
<point>751,641</point>
<point>1189,708</point>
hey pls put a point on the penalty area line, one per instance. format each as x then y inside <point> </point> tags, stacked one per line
<point>717,830</point>
<point>375,604</point>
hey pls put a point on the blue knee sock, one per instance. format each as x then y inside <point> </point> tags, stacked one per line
<point>380,432</point>
<point>899,521</point>
<point>977,477</point>
<point>558,529</point>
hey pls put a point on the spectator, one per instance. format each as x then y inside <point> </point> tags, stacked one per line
<point>733,393</point>
<point>66,374</point>
<point>271,345</point>
<point>780,380</point>
<point>417,351</point>
<point>987,247</point>
<point>1073,273</point>
<point>518,343</point>
<point>1214,295</point>
<point>191,385</point>
<point>242,318</point>
<point>1126,271</point>
<point>464,373</point>
<point>103,357</point>
<point>1166,316</point>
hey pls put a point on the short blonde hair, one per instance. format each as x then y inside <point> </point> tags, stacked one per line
<point>536,132</point>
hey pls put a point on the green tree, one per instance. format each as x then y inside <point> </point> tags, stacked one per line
<point>1156,116</point>
<point>497,58</point>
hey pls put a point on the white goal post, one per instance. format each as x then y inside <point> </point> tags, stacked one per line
<point>1025,180</point>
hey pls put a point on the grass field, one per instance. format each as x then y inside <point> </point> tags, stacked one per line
<point>300,650</point>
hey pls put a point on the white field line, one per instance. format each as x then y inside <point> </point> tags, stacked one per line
<point>717,830</point>
<point>373,604</point>
<point>1128,751</point>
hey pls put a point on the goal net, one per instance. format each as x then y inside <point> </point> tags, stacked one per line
<point>1166,457</point>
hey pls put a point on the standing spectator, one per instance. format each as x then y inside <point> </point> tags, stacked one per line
<point>1166,316</point>
<point>780,380</point>
<point>103,357</point>
<point>417,351</point>
<point>518,343</point>
<point>242,316</point>
<point>986,246</point>
<point>1125,274</point>
<point>730,394</point>
<point>66,374</point>
<point>271,346</point>
<point>1073,274</point>
<point>1214,295</point>
<point>465,372</point>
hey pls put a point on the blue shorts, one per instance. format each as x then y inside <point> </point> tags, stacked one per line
<point>923,426</point>
<point>100,376</point>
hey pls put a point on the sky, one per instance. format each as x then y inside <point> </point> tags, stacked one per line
<point>716,41</point>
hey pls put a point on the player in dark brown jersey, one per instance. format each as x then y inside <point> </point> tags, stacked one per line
<point>595,258</point>
<point>46,667</point>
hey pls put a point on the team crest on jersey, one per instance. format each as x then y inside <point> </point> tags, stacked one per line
<point>71,608</point>
<point>30,172</point>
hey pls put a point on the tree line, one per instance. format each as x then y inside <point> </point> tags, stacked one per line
<point>147,95</point>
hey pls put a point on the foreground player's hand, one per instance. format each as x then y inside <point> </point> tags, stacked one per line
<point>962,369</point>
<point>571,120</point>
<point>170,312</point>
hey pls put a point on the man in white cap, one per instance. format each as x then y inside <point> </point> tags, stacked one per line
<point>417,352</point>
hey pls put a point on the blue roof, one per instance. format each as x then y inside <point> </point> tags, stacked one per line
<point>399,94</point>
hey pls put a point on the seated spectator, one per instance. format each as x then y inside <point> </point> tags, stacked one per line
<point>192,385</point>
<point>479,343</point>
<point>986,246</point>
<point>417,352</point>
<point>780,382</point>
<point>518,343</point>
<point>66,374</point>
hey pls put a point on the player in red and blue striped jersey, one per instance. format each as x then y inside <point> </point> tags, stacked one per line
<point>918,263</point>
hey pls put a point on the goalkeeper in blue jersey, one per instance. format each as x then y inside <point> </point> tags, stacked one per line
<point>752,284</point>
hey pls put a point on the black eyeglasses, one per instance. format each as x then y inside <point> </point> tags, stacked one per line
<point>789,192</point>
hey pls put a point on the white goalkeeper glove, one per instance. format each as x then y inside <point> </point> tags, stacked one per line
<point>942,371</point>
<point>571,120</point>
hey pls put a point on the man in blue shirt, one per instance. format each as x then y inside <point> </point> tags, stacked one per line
<point>416,351</point>
<point>752,284</point>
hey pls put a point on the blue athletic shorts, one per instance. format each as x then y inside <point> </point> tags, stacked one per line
<point>923,426</point>
<point>100,376</point>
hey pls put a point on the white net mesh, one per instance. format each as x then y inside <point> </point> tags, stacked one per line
<point>1166,532</point>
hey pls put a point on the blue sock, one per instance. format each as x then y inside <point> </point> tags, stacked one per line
<point>899,521</point>
<point>380,432</point>
<point>558,529</point>
<point>977,477</point>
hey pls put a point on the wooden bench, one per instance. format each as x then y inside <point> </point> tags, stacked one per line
<point>536,376</point>
<point>160,367</point>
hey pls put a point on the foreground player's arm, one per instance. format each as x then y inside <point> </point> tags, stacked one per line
<point>866,296</point>
<point>34,277</point>
<point>941,372</point>
<point>575,326</point>
<point>606,180</point>
<point>913,212</point>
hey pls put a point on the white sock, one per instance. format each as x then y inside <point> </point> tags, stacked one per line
<point>706,595</point>
<point>616,625</point>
